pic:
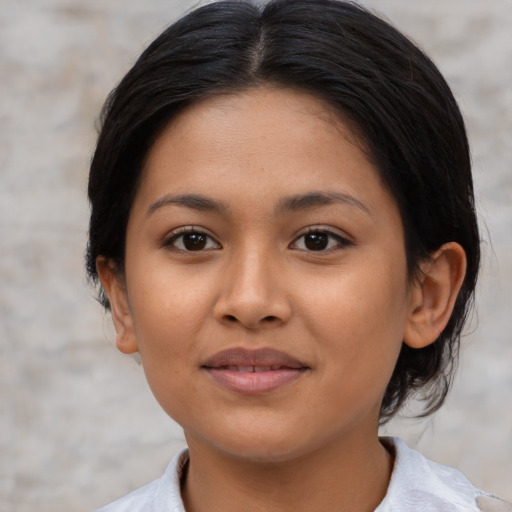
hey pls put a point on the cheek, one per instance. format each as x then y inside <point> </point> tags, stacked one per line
<point>360,313</point>
<point>170,305</point>
<point>166,320</point>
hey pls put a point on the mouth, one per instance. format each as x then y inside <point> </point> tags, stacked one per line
<point>254,372</point>
<point>253,369</point>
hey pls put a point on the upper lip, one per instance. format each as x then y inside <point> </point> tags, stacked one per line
<point>263,357</point>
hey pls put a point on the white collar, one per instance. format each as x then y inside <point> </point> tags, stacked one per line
<point>417,484</point>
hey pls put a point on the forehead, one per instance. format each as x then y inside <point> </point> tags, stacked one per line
<point>264,143</point>
<point>259,124</point>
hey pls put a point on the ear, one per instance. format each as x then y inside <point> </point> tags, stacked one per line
<point>114,286</point>
<point>433,295</point>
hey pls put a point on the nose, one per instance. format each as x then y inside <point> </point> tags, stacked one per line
<point>253,293</point>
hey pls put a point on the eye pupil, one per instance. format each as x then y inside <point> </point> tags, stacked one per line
<point>194,241</point>
<point>316,241</point>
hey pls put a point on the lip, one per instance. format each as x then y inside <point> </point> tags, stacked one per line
<point>254,372</point>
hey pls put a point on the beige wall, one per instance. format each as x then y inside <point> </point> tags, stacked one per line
<point>78,426</point>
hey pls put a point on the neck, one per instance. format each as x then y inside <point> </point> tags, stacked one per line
<point>345,476</point>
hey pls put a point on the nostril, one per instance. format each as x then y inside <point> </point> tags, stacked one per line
<point>267,319</point>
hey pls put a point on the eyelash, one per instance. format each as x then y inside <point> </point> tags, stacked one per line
<point>339,241</point>
<point>180,233</point>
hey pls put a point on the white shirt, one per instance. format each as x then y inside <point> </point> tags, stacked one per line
<point>417,485</point>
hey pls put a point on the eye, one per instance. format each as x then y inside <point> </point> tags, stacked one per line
<point>191,240</point>
<point>319,240</point>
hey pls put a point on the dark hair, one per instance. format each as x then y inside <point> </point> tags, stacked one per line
<point>369,73</point>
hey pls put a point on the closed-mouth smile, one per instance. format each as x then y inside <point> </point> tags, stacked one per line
<point>253,372</point>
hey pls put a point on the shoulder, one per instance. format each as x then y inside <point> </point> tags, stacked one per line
<point>161,495</point>
<point>424,486</point>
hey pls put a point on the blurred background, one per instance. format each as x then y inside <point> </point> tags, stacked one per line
<point>78,425</point>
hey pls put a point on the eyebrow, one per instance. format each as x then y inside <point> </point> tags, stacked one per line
<point>298,202</point>
<point>311,200</point>
<point>192,201</point>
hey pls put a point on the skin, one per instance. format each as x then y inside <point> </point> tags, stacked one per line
<point>342,309</point>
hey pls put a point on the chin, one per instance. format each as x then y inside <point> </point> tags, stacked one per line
<point>265,446</point>
<point>266,454</point>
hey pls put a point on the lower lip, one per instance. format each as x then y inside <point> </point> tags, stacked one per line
<point>255,383</point>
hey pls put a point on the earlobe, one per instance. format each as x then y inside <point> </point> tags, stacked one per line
<point>433,295</point>
<point>114,287</point>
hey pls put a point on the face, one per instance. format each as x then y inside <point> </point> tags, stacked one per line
<point>265,282</point>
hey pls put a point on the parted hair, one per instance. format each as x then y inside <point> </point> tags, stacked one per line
<point>370,74</point>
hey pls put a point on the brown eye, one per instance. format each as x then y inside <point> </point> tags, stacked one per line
<point>320,240</point>
<point>192,241</point>
<point>316,241</point>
